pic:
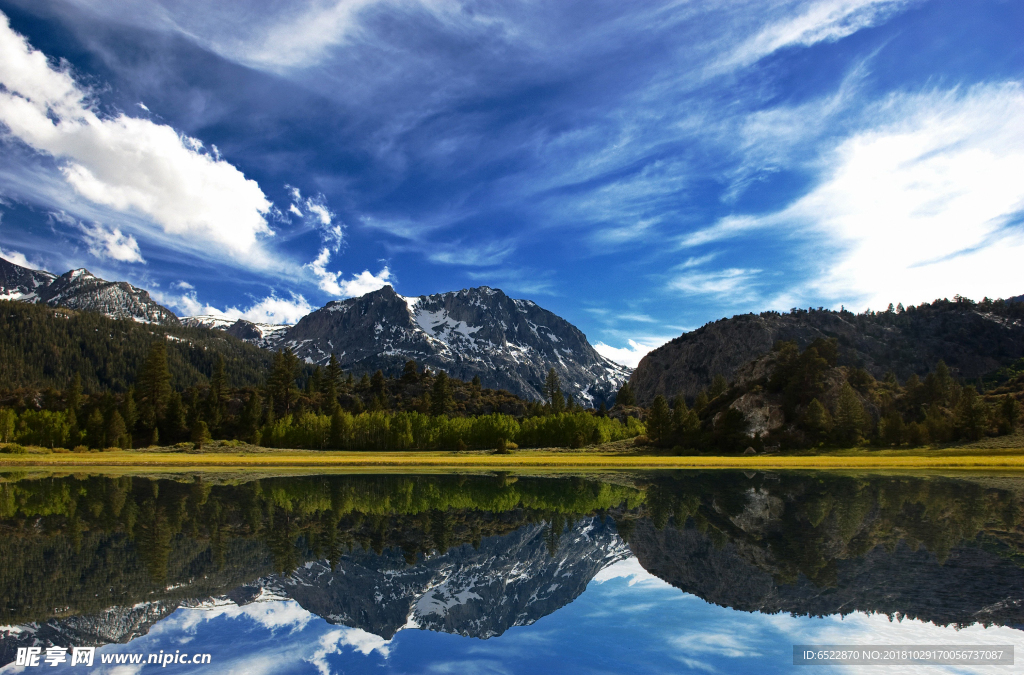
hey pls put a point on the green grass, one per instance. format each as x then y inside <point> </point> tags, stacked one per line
<point>620,455</point>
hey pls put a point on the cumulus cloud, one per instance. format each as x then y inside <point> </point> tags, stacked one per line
<point>182,285</point>
<point>335,284</point>
<point>926,202</point>
<point>111,244</point>
<point>271,309</point>
<point>630,356</point>
<point>125,163</point>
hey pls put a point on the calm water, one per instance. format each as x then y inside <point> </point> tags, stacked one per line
<point>632,573</point>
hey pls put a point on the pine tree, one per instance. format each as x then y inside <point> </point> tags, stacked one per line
<point>409,373</point>
<point>249,424</point>
<point>701,402</point>
<point>129,414</point>
<point>281,382</point>
<point>95,433</point>
<point>719,385</point>
<point>817,421</point>
<point>971,415</point>
<point>332,382</point>
<point>217,404</point>
<point>117,433</point>
<point>625,396</point>
<point>200,434</point>
<point>441,397</point>
<point>74,397</point>
<point>1009,415</point>
<point>378,385</point>
<point>553,391</point>
<point>849,416</point>
<point>175,423</point>
<point>659,422</point>
<point>154,385</point>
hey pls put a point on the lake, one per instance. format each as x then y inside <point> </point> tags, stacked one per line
<point>656,572</point>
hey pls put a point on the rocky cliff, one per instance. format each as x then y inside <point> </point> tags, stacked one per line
<point>970,339</point>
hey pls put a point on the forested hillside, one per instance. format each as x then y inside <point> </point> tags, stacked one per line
<point>42,346</point>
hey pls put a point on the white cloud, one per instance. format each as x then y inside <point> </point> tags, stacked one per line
<point>365,282</point>
<point>114,244</point>
<point>271,309</point>
<point>824,21</point>
<point>630,356</point>
<point>734,281</point>
<point>15,257</point>
<point>458,253</point>
<point>360,284</point>
<point>631,569</point>
<point>318,215</point>
<point>131,165</point>
<point>724,644</point>
<point>182,285</point>
<point>926,203</point>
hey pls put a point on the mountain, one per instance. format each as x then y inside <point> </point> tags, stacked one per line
<point>266,335</point>
<point>508,580</point>
<point>510,344</point>
<point>79,289</point>
<point>973,338</point>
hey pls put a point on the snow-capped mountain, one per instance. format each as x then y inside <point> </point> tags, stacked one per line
<point>510,344</point>
<point>510,580</point>
<point>266,335</point>
<point>79,289</point>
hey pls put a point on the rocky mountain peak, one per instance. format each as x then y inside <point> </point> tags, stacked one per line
<point>509,343</point>
<point>80,289</point>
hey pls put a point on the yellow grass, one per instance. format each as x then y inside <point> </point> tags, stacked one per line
<point>618,457</point>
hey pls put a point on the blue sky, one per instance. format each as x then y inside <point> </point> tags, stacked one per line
<point>638,168</point>
<point>627,621</point>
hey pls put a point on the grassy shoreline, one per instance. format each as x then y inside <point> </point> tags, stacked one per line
<point>615,456</point>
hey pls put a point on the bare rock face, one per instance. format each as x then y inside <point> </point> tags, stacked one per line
<point>971,342</point>
<point>79,289</point>
<point>510,344</point>
<point>762,412</point>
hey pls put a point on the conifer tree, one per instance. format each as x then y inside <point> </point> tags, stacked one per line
<point>625,396</point>
<point>409,373</point>
<point>95,433</point>
<point>553,391</point>
<point>281,382</point>
<point>200,434</point>
<point>129,414</point>
<point>701,401</point>
<point>817,421</point>
<point>971,415</point>
<point>249,424</point>
<point>117,433</point>
<point>74,397</point>
<point>849,416</point>
<point>154,385</point>
<point>332,381</point>
<point>659,422</point>
<point>719,385</point>
<point>378,385</point>
<point>441,396</point>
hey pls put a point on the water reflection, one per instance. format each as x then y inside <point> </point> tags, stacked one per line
<point>93,560</point>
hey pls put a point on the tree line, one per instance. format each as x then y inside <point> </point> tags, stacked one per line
<point>302,406</point>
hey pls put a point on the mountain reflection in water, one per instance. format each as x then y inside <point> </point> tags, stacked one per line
<point>97,560</point>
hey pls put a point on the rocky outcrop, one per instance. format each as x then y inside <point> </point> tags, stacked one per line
<point>510,344</point>
<point>971,342</point>
<point>81,290</point>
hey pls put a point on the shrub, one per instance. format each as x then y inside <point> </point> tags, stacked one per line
<point>80,448</point>
<point>641,441</point>
<point>15,449</point>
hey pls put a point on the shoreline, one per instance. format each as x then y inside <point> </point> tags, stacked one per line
<point>1009,459</point>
